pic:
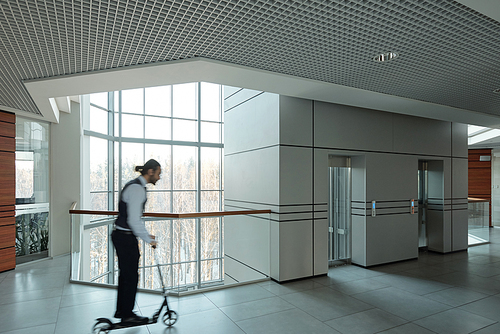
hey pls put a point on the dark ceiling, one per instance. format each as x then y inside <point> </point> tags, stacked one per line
<point>448,53</point>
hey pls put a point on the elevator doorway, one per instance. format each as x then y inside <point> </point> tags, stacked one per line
<point>431,204</point>
<point>423,202</point>
<point>339,210</point>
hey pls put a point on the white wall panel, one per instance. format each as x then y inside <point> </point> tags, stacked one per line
<point>320,247</point>
<point>253,176</point>
<point>460,180</point>
<point>275,250</point>
<point>447,178</point>
<point>391,177</point>
<point>459,221</point>
<point>345,127</point>
<point>239,97</point>
<point>247,239</point>
<point>295,178</point>
<point>391,238</point>
<point>64,177</point>
<point>295,249</point>
<point>359,240</point>
<point>421,136</point>
<point>459,140</point>
<point>252,125</point>
<point>296,121</point>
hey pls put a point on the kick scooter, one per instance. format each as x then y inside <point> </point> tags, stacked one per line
<point>104,325</point>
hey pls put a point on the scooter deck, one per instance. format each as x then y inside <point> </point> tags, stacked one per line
<point>127,324</point>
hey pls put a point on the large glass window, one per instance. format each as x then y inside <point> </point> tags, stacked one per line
<point>32,189</point>
<point>181,127</point>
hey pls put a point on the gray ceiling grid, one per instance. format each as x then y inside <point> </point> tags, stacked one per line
<point>447,53</point>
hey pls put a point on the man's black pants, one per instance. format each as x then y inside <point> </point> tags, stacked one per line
<point>127,250</point>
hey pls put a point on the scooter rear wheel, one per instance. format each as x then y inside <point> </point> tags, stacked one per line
<point>102,326</point>
<point>169,318</point>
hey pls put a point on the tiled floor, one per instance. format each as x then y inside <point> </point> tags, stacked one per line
<point>454,293</point>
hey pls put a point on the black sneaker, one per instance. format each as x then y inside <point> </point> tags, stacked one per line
<point>136,319</point>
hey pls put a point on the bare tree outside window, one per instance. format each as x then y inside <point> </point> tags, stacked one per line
<point>180,126</point>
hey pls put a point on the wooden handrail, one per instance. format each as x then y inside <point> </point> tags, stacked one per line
<point>174,215</point>
<point>475,200</point>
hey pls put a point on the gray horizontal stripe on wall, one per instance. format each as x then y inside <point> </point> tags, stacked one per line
<point>244,96</point>
<point>390,205</point>
<point>320,207</point>
<point>358,211</point>
<point>318,215</point>
<point>253,205</point>
<point>294,221</point>
<point>436,205</point>
<point>295,209</point>
<point>296,216</point>
<point>245,264</point>
<point>251,150</point>
<point>388,211</point>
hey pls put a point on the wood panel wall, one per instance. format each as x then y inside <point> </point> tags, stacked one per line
<point>7,191</point>
<point>480,175</point>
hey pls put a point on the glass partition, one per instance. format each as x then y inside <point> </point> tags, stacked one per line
<point>190,251</point>
<point>479,221</point>
<point>32,189</point>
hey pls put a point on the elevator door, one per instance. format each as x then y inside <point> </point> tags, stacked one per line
<point>340,213</point>
<point>423,202</point>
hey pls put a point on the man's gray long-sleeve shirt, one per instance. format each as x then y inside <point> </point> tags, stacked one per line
<point>134,195</point>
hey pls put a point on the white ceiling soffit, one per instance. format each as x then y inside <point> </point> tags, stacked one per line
<point>447,50</point>
<point>198,69</point>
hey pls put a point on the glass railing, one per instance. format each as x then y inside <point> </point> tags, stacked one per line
<point>195,250</point>
<point>32,231</point>
<point>479,221</point>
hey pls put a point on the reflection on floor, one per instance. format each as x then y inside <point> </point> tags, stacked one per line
<point>454,293</point>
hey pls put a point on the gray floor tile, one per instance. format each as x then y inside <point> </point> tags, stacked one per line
<point>456,296</point>
<point>408,329</point>
<point>428,271</point>
<point>287,322</point>
<point>30,295</point>
<point>29,314</point>
<point>256,308</point>
<point>359,272</point>
<point>88,298</point>
<point>206,322</point>
<point>359,286</point>
<point>487,307</point>
<point>484,285</point>
<point>32,282</point>
<point>493,329</point>
<point>80,318</point>
<point>182,305</point>
<point>454,322</point>
<point>397,267</point>
<point>326,304</point>
<point>418,286</point>
<point>75,288</point>
<point>239,294</point>
<point>42,329</point>
<point>402,303</point>
<point>367,322</point>
<point>292,287</point>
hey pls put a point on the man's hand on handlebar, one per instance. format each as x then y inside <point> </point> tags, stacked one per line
<point>153,243</point>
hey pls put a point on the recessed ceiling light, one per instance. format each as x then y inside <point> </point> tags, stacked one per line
<point>385,56</point>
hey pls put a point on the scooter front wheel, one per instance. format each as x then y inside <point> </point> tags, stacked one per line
<point>102,325</point>
<point>170,318</point>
